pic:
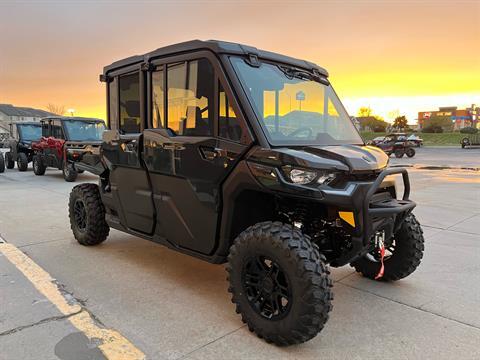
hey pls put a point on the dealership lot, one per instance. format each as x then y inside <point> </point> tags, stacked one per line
<point>170,306</point>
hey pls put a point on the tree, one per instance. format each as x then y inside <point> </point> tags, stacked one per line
<point>365,111</point>
<point>432,129</point>
<point>400,122</point>
<point>445,122</point>
<point>373,123</point>
<point>393,114</point>
<point>56,109</point>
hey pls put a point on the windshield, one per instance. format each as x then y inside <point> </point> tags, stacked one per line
<point>80,130</point>
<point>294,109</point>
<point>30,132</point>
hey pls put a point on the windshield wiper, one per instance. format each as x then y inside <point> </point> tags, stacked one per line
<point>303,75</point>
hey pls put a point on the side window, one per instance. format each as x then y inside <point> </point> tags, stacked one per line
<point>57,131</point>
<point>129,104</point>
<point>113,103</point>
<point>158,108</point>
<point>190,95</point>
<point>228,123</point>
<point>45,129</point>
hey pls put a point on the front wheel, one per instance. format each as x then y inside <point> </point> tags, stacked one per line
<point>279,283</point>
<point>38,165</point>
<point>22,162</point>
<point>403,254</point>
<point>9,160</point>
<point>410,152</point>
<point>87,215</point>
<point>399,153</point>
<point>69,173</point>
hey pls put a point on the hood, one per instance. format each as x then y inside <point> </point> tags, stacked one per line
<point>357,158</point>
<point>352,158</point>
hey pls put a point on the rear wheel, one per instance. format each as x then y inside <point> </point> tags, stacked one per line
<point>402,257</point>
<point>87,215</point>
<point>22,162</point>
<point>10,163</point>
<point>399,153</point>
<point>410,152</point>
<point>69,173</point>
<point>279,283</point>
<point>38,165</point>
<point>2,164</point>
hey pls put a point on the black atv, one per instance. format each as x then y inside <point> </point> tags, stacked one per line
<point>20,144</point>
<point>397,144</point>
<point>247,157</point>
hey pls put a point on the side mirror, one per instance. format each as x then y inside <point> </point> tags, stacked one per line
<point>110,136</point>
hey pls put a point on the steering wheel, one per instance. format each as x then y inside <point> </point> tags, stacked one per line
<point>300,130</point>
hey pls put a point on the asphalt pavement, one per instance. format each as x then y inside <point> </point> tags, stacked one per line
<point>129,298</point>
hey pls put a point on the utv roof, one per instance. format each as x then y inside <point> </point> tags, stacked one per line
<point>219,47</point>
<point>27,123</point>
<point>67,118</point>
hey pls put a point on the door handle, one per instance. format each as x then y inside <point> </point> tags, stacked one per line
<point>210,153</point>
<point>130,146</point>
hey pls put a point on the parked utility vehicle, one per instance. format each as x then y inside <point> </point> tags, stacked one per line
<point>471,140</point>
<point>20,145</point>
<point>64,141</point>
<point>397,144</point>
<point>233,154</point>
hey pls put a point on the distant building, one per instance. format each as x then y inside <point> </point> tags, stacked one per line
<point>10,113</point>
<point>461,118</point>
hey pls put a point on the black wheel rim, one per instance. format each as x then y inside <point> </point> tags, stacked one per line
<point>267,287</point>
<point>80,215</point>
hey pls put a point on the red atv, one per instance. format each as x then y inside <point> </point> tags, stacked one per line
<point>64,141</point>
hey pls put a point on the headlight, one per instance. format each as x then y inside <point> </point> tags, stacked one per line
<point>304,176</point>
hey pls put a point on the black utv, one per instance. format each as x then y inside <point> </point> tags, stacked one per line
<point>20,145</point>
<point>233,154</point>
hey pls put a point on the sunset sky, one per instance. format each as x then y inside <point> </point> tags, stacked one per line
<point>403,56</point>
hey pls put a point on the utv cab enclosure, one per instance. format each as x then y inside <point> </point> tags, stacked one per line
<point>64,140</point>
<point>20,146</point>
<point>238,155</point>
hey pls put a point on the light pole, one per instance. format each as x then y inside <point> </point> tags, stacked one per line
<point>71,111</point>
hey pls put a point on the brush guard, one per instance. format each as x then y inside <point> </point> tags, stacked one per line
<point>374,212</point>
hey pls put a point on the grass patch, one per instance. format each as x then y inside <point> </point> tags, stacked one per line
<point>443,139</point>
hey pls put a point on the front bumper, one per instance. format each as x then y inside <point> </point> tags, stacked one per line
<point>371,213</point>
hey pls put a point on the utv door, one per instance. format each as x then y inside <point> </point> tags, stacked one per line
<point>53,144</point>
<point>128,177</point>
<point>186,158</point>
